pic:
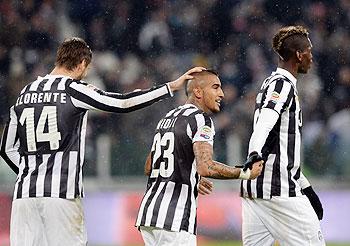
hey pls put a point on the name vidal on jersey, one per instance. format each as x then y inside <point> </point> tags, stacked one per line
<point>42,97</point>
<point>166,123</point>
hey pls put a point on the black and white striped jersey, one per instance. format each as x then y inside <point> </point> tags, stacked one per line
<point>170,201</point>
<point>276,135</point>
<point>44,140</point>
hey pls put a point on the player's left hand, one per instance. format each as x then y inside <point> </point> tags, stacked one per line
<point>178,84</point>
<point>315,201</point>
<point>205,187</point>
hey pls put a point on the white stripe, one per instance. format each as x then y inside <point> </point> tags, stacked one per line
<point>170,112</point>
<point>11,148</point>
<point>18,177</point>
<point>35,84</point>
<point>297,150</point>
<point>200,120</point>
<point>72,167</point>
<point>24,89</point>
<point>283,96</point>
<point>120,103</point>
<point>79,104</point>
<point>26,181</point>
<point>41,176</point>
<point>189,131</point>
<point>189,111</point>
<point>62,84</point>
<point>192,217</point>
<point>283,142</point>
<point>268,176</point>
<point>180,208</point>
<point>151,205</point>
<point>56,175</point>
<point>143,203</point>
<point>163,209</point>
<point>82,151</point>
<point>48,84</point>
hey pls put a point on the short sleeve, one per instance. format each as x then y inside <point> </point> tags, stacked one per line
<point>278,96</point>
<point>204,129</point>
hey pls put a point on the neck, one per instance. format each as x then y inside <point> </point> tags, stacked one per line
<point>63,71</point>
<point>195,102</point>
<point>289,66</point>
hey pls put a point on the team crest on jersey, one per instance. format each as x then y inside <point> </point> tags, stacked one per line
<point>275,96</point>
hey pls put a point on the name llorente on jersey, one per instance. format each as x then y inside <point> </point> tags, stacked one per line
<point>42,97</point>
<point>166,123</point>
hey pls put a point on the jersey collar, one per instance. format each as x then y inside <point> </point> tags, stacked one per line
<point>287,74</point>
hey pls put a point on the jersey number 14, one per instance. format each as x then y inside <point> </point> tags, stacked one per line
<point>48,115</point>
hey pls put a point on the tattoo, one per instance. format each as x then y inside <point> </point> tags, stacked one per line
<point>203,152</point>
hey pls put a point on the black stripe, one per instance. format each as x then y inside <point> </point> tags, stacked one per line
<point>187,211</point>
<point>157,206</point>
<point>193,124</point>
<point>48,175</point>
<point>64,175</point>
<point>24,174</point>
<point>249,188</point>
<point>96,104</point>
<point>289,98</point>
<point>297,174</point>
<point>207,120</point>
<point>291,147</point>
<point>260,183</point>
<point>34,175</point>
<point>55,83</point>
<point>78,167</point>
<point>3,151</point>
<point>41,85</point>
<point>276,177</point>
<point>149,200</point>
<point>172,206</point>
<point>241,188</point>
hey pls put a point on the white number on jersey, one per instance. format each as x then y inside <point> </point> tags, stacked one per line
<point>49,115</point>
<point>158,143</point>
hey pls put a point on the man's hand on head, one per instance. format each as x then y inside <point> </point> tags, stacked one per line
<point>179,83</point>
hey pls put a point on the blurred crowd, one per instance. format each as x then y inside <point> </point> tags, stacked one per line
<point>137,44</point>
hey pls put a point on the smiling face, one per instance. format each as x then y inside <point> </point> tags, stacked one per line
<point>212,95</point>
<point>205,92</point>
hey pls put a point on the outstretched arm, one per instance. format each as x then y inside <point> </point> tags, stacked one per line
<point>207,167</point>
<point>89,97</point>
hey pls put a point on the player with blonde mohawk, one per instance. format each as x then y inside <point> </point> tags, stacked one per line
<point>274,205</point>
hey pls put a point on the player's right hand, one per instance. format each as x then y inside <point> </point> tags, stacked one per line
<point>178,84</point>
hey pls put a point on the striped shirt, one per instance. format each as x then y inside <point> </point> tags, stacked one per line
<point>44,140</point>
<point>170,201</point>
<point>276,136</point>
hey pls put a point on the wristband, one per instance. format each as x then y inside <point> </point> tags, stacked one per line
<point>244,174</point>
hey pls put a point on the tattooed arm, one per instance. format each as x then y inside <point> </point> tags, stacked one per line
<point>207,167</point>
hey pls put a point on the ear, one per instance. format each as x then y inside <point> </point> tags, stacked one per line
<point>299,55</point>
<point>198,93</point>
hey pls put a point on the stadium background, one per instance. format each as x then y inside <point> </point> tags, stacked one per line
<point>137,44</point>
